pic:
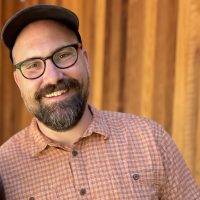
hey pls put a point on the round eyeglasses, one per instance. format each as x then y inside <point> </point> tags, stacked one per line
<point>62,58</point>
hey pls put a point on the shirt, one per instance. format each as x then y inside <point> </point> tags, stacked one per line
<point>119,157</point>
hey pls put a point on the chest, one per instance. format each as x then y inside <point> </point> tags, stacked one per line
<point>101,171</point>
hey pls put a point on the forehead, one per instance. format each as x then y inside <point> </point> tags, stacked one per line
<point>42,28</point>
<point>43,36</point>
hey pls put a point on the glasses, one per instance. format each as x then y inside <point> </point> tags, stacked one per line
<point>62,58</point>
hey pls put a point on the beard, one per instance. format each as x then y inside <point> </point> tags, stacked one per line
<point>63,115</point>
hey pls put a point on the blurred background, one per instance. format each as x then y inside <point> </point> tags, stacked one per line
<point>145,60</point>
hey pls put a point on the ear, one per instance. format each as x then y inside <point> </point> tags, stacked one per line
<point>16,78</point>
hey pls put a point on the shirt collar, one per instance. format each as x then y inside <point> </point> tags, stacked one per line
<point>98,125</point>
<point>40,140</point>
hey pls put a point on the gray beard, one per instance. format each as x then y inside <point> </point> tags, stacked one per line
<point>63,115</point>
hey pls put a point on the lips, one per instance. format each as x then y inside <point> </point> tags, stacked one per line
<point>63,86</point>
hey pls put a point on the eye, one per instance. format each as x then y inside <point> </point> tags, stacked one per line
<point>61,56</point>
<point>30,65</point>
<point>64,54</point>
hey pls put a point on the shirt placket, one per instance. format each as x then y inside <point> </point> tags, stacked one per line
<point>77,166</point>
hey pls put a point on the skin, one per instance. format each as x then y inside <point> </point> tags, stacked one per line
<point>31,43</point>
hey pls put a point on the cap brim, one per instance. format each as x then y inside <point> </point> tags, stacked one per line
<point>24,17</point>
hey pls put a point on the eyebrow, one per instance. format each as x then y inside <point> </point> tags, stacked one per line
<point>54,51</point>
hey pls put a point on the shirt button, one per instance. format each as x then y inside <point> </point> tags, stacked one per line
<point>136,177</point>
<point>74,153</point>
<point>82,191</point>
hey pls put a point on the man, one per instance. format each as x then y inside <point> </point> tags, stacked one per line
<point>72,150</point>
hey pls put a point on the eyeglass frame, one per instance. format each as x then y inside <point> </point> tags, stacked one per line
<point>43,59</point>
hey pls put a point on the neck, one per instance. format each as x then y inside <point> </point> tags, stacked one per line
<point>69,137</point>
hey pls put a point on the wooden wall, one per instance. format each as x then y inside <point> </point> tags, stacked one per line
<point>145,59</point>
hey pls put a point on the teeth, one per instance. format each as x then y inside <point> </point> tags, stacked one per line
<point>55,94</point>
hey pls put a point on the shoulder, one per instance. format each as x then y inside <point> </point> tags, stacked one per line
<point>141,131</point>
<point>14,145</point>
<point>130,127</point>
<point>128,121</point>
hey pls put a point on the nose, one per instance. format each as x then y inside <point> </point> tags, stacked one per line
<point>52,74</point>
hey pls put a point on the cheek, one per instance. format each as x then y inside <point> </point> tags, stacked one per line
<point>27,87</point>
<point>73,72</point>
<point>27,94</point>
<point>83,69</point>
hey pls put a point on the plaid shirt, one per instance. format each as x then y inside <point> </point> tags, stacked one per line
<point>120,156</point>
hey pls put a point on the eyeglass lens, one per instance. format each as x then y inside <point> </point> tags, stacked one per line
<point>62,58</point>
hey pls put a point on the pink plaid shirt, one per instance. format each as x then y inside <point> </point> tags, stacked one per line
<point>120,156</point>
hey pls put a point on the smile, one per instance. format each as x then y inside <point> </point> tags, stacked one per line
<point>55,94</point>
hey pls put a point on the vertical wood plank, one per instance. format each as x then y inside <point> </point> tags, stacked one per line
<point>165,54</point>
<point>186,94</point>
<point>114,58</point>
<point>9,88</point>
<point>180,72</point>
<point>1,76</point>
<point>196,155</point>
<point>148,54</point>
<point>131,92</point>
<point>99,43</point>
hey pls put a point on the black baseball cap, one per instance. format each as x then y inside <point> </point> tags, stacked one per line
<point>17,22</point>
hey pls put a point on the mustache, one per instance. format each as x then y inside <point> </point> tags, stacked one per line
<point>63,84</point>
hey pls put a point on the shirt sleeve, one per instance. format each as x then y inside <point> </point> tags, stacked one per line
<point>179,183</point>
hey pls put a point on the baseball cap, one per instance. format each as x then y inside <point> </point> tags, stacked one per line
<point>17,22</point>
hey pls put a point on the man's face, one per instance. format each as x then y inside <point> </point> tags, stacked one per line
<point>57,98</point>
